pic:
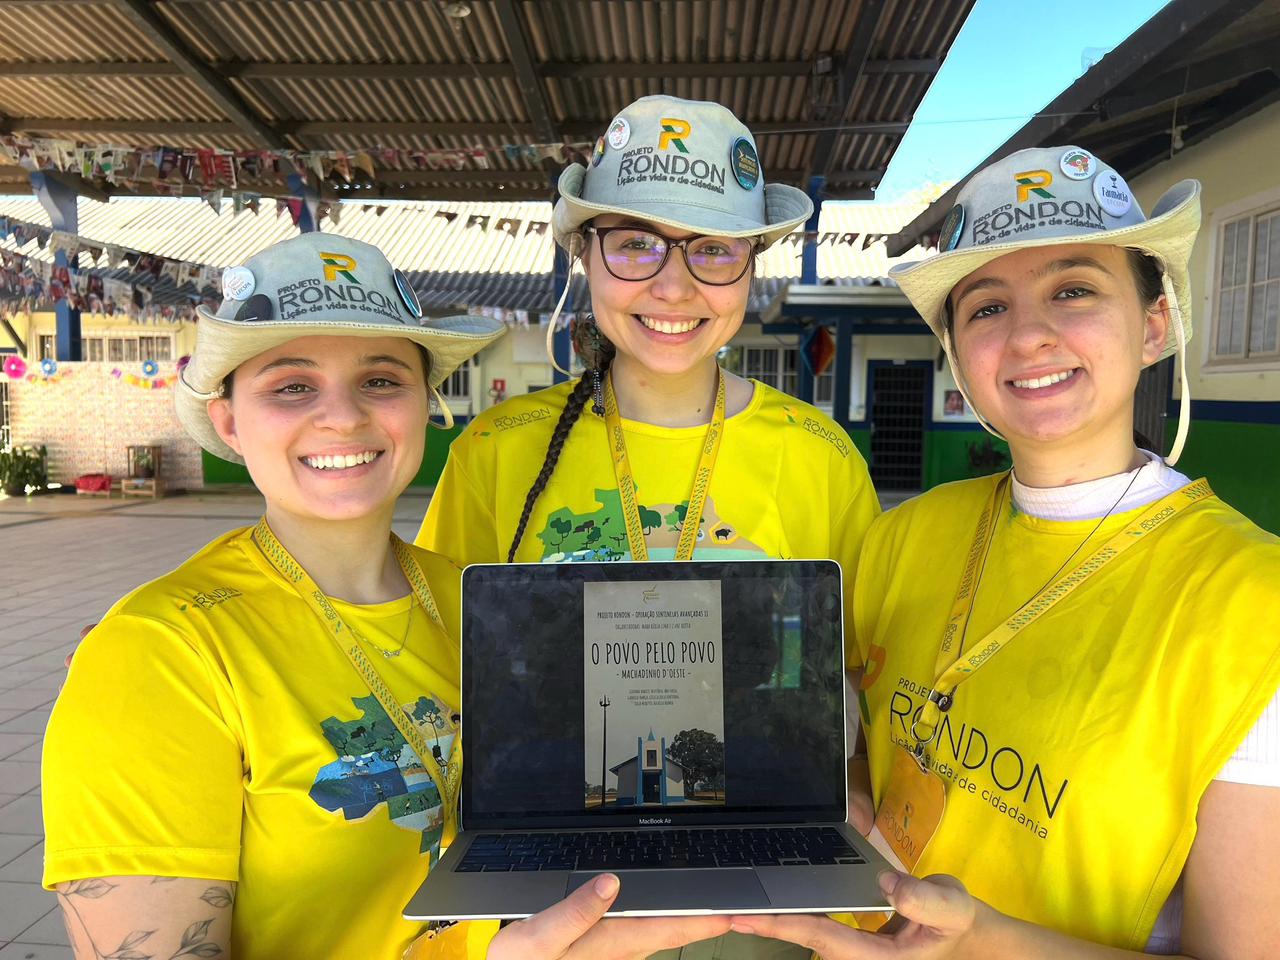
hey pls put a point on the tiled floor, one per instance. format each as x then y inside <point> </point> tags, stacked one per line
<point>66,560</point>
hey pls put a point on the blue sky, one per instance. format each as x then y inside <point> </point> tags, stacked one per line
<point>1010,58</point>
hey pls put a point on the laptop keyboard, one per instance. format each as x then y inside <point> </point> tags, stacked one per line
<point>659,849</point>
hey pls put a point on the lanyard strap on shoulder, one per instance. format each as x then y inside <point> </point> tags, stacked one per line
<point>447,778</point>
<point>954,667</point>
<point>627,484</point>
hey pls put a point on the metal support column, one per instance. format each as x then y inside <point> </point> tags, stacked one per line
<point>561,347</point>
<point>809,275</point>
<point>844,371</point>
<point>301,188</point>
<point>59,201</point>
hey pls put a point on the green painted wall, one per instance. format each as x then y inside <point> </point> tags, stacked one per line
<point>218,471</point>
<point>946,455</point>
<point>1241,461</point>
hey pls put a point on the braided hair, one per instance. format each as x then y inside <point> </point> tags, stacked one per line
<point>597,353</point>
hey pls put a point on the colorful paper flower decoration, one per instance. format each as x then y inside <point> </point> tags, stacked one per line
<point>150,368</point>
<point>48,367</point>
<point>15,368</point>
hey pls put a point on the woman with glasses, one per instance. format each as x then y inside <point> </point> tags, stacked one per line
<point>655,452</point>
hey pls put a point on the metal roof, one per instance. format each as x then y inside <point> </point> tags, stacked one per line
<point>457,254</point>
<point>828,86</point>
<point>1195,68</point>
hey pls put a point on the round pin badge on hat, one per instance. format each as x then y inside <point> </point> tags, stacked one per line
<point>408,295</point>
<point>952,229</point>
<point>619,133</point>
<point>1112,193</point>
<point>745,163</point>
<point>238,283</point>
<point>1077,164</point>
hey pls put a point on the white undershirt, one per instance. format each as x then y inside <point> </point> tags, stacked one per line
<point>1257,761</point>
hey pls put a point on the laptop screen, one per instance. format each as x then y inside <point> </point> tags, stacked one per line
<point>598,694</point>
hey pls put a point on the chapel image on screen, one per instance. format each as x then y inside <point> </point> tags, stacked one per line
<point>654,704</point>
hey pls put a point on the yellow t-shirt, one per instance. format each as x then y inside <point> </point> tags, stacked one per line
<point>210,727</point>
<point>788,483</point>
<point>1075,758</point>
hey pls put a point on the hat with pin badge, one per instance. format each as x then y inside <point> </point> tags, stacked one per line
<point>315,284</point>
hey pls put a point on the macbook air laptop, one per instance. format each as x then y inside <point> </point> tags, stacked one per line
<point>678,724</point>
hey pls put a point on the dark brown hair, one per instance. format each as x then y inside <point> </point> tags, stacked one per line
<point>597,353</point>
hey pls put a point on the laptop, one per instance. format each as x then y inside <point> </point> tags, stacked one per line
<point>678,724</point>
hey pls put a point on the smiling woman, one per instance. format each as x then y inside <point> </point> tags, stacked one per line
<point>225,754</point>
<point>655,452</point>
<point>1080,656</point>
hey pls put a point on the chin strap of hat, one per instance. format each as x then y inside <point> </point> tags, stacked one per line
<point>555,315</point>
<point>445,413</point>
<point>199,394</point>
<point>1184,406</point>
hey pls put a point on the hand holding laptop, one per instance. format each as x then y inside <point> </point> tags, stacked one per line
<point>936,917</point>
<point>571,929</point>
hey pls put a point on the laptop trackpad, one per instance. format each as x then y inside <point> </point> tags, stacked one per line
<point>656,890</point>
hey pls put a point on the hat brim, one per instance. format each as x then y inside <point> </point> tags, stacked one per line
<point>785,209</point>
<point>1169,235</point>
<point>222,345</point>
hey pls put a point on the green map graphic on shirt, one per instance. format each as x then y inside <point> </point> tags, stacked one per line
<point>601,534</point>
<point>377,767</point>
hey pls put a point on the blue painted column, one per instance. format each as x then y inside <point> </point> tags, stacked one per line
<point>639,771</point>
<point>662,773</point>
<point>844,371</point>
<point>301,188</point>
<point>809,275</point>
<point>59,201</point>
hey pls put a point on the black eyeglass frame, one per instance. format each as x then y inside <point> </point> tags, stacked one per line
<point>602,232</point>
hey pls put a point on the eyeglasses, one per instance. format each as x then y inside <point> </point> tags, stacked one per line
<point>633,253</point>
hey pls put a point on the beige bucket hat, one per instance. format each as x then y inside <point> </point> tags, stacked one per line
<point>1054,195</point>
<point>315,284</point>
<point>688,164</point>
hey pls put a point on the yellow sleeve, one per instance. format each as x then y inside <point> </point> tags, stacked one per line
<point>460,523</point>
<point>848,532</point>
<point>142,769</point>
<point>461,941</point>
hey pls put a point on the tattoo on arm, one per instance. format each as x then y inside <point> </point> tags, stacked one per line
<point>148,918</point>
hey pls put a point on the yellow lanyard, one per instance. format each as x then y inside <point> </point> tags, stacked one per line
<point>953,667</point>
<point>448,777</point>
<point>627,484</point>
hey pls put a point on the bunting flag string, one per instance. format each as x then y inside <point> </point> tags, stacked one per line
<point>171,170</point>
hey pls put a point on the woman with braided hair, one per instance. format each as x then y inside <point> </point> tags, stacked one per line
<point>656,452</point>
<point>533,478</point>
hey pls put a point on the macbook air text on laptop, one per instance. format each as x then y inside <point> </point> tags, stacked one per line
<point>678,724</point>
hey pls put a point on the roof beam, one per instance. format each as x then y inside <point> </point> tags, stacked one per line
<point>1213,71</point>
<point>159,128</point>
<point>1173,32</point>
<point>320,128</point>
<point>856,55</point>
<point>143,16</point>
<point>527,80</point>
<point>566,69</point>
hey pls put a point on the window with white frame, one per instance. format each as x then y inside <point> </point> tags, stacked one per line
<point>92,349</point>
<point>457,386</point>
<point>779,367</point>
<point>156,348</point>
<point>1247,317</point>
<point>47,347</point>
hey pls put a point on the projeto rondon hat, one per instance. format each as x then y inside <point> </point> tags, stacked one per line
<point>687,164</point>
<point>315,284</point>
<point>1055,195</point>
